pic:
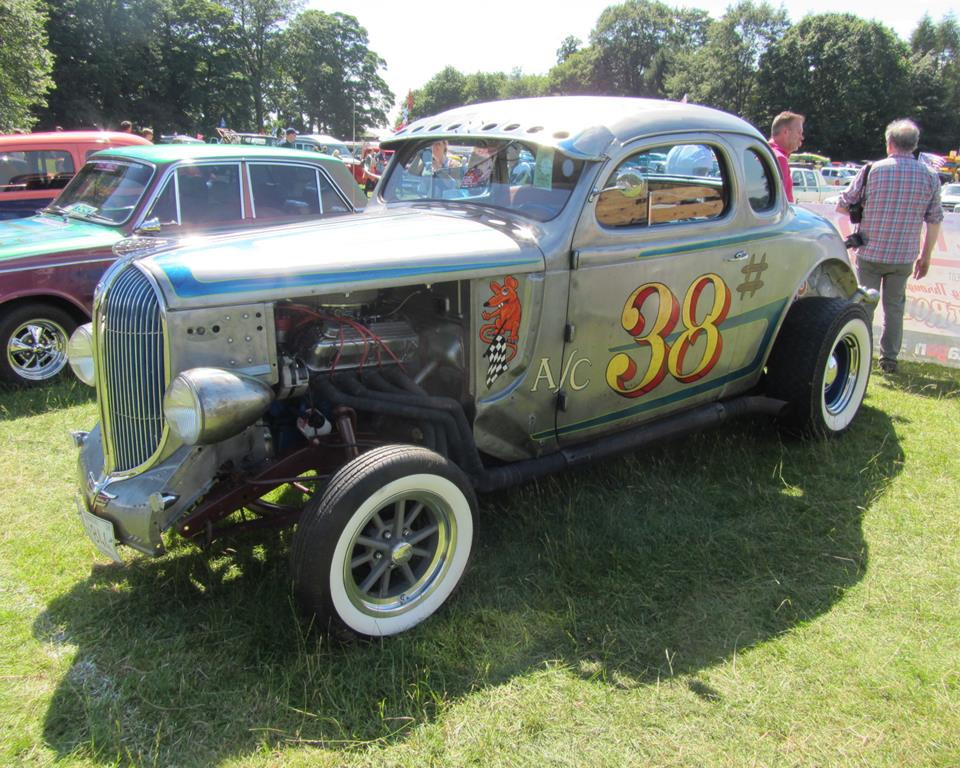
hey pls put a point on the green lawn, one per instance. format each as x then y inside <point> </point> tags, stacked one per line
<point>736,599</point>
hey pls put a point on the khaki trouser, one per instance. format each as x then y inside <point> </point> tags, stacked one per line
<point>891,281</point>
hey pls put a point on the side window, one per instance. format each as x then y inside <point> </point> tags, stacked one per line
<point>670,184</point>
<point>29,170</point>
<point>331,202</point>
<point>810,178</point>
<point>761,190</point>
<point>164,208</point>
<point>284,191</point>
<point>209,195</point>
<point>797,177</point>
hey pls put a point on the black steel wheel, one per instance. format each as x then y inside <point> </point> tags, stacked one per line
<point>820,365</point>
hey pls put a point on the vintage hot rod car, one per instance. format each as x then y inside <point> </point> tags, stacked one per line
<point>473,329</point>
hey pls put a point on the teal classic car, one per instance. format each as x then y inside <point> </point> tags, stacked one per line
<point>50,263</point>
<point>474,328</point>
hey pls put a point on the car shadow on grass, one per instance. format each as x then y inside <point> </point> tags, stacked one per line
<point>657,564</point>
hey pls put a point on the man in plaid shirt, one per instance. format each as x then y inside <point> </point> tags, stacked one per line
<point>900,197</point>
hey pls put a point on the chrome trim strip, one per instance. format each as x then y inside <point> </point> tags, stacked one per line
<point>54,265</point>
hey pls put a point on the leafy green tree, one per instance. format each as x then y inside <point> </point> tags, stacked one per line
<point>935,82</point>
<point>171,64</point>
<point>849,77</point>
<point>484,86</point>
<point>518,85</point>
<point>197,80</point>
<point>636,43</point>
<point>568,47</point>
<point>105,53</point>
<point>334,75</point>
<point>25,63</point>
<point>577,74</point>
<point>723,72</point>
<point>445,90</point>
<point>259,23</point>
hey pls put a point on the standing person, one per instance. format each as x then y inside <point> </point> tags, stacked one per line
<point>786,136</point>
<point>126,126</point>
<point>900,196</point>
<point>290,136</point>
<point>147,133</point>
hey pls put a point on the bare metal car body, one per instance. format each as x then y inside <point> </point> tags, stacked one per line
<point>570,281</point>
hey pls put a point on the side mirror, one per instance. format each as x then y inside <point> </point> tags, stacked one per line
<point>149,227</point>
<point>630,183</point>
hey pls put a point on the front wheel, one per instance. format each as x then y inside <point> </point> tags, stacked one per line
<point>820,365</point>
<point>34,338</point>
<point>387,543</point>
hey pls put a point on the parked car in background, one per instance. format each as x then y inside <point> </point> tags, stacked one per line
<point>320,142</point>
<point>178,138</point>
<point>809,186</point>
<point>950,197</point>
<point>50,263</point>
<point>473,330</point>
<point>227,136</point>
<point>838,176</point>
<point>34,167</point>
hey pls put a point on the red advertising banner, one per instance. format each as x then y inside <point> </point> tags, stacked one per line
<point>931,320</point>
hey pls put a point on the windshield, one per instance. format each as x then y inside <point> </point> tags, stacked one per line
<point>105,191</point>
<point>951,189</point>
<point>528,179</point>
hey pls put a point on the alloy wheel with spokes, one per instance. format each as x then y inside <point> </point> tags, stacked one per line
<point>34,338</point>
<point>387,543</point>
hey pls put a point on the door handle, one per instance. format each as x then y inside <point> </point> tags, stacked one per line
<point>738,256</point>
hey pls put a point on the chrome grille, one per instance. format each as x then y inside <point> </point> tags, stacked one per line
<point>130,351</point>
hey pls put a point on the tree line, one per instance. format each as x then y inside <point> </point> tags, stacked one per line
<point>848,76</point>
<point>189,65</point>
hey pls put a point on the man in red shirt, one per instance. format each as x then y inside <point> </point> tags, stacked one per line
<point>786,136</point>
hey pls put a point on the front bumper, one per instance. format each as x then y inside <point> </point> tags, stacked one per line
<point>138,507</point>
<point>142,506</point>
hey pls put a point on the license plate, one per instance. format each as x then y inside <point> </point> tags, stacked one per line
<point>100,532</point>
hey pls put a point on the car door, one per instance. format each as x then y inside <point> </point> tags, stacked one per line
<point>665,300</point>
<point>802,192</point>
<point>286,191</point>
<point>199,197</point>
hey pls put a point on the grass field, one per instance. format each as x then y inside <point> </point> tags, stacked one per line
<point>737,599</point>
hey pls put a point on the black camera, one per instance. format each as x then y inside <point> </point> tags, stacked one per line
<point>855,241</point>
<point>855,212</point>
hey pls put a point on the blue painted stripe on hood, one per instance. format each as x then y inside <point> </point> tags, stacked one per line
<point>186,285</point>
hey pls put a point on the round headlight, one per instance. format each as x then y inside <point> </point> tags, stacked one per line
<point>207,405</point>
<point>182,408</point>
<point>80,353</point>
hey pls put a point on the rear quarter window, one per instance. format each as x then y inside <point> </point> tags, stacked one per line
<point>759,181</point>
<point>30,170</point>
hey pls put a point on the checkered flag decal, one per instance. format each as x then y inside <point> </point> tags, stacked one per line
<point>496,355</point>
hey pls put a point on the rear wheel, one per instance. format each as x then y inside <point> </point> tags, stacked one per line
<point>387,543</point>
<point>820,365</point>
<point>34,338</point>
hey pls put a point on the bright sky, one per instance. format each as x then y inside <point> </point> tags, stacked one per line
<point>418,38</point>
